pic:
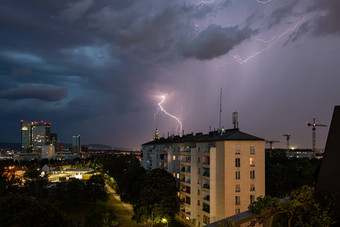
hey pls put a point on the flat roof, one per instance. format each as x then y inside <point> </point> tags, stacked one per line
<point>229,134</point>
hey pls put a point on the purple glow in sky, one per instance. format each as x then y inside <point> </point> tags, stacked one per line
<point>98,68</point>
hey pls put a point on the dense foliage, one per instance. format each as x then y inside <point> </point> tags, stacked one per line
<point>101,217</point>
<point>37,202</point>
<point>301,209</point>
<point>284,175</point>
<point>153,194</point>
<point>127,174</point>
<point>21,210</point>
<point>157,198</point>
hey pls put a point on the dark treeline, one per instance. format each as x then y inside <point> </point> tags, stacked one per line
<point>284,175</point>
<point>153,194</point>
<point>37,202</point>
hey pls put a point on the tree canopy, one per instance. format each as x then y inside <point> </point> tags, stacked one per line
<point>157,198</point>
<point>21,210</point>
<point>284,175</point>
<point>301,209</point>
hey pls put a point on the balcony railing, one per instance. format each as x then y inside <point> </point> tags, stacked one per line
<point>207,197</point>
<point>206,172</point>
<point>206,208</point>
<point>206,185</point>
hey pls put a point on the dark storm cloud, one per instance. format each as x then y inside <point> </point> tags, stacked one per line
<point>328,23</point>
<point>323,20</point>
<point>214,41</point>
<point>41,92</point>
<point>157,30</point>
<point>22,71</point>
<point>280,14</point>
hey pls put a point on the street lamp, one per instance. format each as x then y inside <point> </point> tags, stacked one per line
<point>165,222</point>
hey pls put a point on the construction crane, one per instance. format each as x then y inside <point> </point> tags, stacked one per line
<point>287,141</point>
<point>314,125</point>
<point>271,143</point>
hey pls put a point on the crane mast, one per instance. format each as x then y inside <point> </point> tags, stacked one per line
<point>314,125</point>
<point>287,135</point>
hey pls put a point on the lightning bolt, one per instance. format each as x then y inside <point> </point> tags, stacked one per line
<point>205,2</point>
<point>271,42</point>
<point>161,108</point>
<point>263,2</point>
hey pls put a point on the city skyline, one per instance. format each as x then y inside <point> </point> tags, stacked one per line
<point>101,69</point>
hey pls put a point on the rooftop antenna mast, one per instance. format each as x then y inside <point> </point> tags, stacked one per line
<point>235,120</point>
<point>219,123</point>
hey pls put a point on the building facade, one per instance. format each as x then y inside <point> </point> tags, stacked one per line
<point>40,135</point>
<point>76,144</point>
<point>219,174</point>
<point>26,136</point>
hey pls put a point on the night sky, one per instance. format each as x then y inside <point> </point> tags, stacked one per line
<point>99,67</point>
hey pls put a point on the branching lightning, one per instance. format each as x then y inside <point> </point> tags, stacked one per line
<point>205,2</point>
<point>263,2</point>
<point>271,42</point>
<point>161,108</point>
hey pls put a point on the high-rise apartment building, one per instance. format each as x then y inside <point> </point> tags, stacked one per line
<point>76,144</point>
<point>219,174</point>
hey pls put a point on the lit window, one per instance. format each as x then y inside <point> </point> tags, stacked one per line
<point>174,157</point>
<point>237,150</point>
<point>237,200</point>
<point>237,162</point>
<point>252,149</point>
<point>237,175</point>
<point>237,188</point>
<point>252,187</point>
<point>252,174</point>
<point>252,162</point>
<point>177,175</point>
<point>252,198</point>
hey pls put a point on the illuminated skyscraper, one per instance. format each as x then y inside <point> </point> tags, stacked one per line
<point>34,135</point>
<point>76,144</point>
<point>26,136</point>
<point>40,135</point>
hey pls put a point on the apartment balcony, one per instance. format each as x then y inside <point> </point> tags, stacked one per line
<point>186,169</point>
<point>206,172</point>
<point>186,189</point>
<point>206,186</point>
<point>185,159</point>
<point>206,197</point>
<point>206,208</point>
<point>186,179</point>
<point>206,160</point>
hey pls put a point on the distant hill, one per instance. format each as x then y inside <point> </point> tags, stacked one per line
<point>17,146</point>
<point>98,146</point>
